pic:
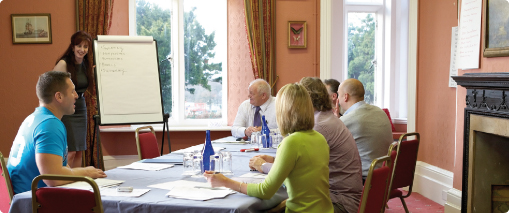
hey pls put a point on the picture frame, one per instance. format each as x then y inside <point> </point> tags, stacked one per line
<point>297,34</point>
<point>496,41</point>
<point>31,28</point>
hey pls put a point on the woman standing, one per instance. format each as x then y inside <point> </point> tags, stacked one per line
<point>301,161</point>
<point>76,62</point>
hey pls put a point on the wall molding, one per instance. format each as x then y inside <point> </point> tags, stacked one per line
<point>432,182</point>
<point>453,204</point>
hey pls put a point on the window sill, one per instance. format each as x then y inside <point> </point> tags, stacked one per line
<point>159,128</point>
<point>399,120</point>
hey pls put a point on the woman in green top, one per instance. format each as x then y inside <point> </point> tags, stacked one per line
<point>302,158</point>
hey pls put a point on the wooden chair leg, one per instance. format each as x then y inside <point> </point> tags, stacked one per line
<point>404,204</point>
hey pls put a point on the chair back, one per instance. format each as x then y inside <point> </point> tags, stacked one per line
<point>390,119</point>
<point>405,162</point>
<point>392,153</point>
<point>147,143</point>
<point>56,199</point>
<point>6,192</point>
<point>375,189</point>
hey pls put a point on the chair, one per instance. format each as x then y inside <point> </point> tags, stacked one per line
<point>56,199</point>
<point>405,155</point>
<point>6,192</point>
<point>375,189</point>
<point>398,129</point>
<point>147,143</point>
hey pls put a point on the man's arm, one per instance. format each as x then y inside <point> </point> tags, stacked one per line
<point>52,164</point>
<point>262,163</point>
<point>239,125</point>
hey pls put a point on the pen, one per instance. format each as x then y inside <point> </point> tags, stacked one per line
<point>249,150</point>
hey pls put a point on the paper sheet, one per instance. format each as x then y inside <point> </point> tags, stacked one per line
<point>254,175</point>
<point>248,180</point>
<point>192,190</point>
<point>147,166</point>
<point>101,182</point>
<point>191,193</point>
<point>230,140</point>
<point>171,184</point>
<point>113,192</point>
<point>453,69</point>
<point>197,147</point>
<point>470,34</point>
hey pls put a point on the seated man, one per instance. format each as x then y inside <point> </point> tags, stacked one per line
<point>345,178</point>
<point>249,114</point>
<point>332,87</point>
<point>40,146</point>
<point>368,124</point>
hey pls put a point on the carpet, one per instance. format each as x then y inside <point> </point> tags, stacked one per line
<point>416,203</point>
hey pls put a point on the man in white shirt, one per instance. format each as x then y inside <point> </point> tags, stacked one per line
<point>250,112</point>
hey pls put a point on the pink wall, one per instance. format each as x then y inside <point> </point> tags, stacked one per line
<point>21,64</point>
<point>434,97</point>
<point>293,64</point>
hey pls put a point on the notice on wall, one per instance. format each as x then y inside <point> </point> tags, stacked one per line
<point>470,34</point>
<point>453,68</point>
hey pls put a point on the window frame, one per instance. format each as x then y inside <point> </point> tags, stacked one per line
<point>394,66</point>
<point>178,68</point>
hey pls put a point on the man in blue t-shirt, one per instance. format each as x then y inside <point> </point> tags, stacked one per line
<point>40,147</point>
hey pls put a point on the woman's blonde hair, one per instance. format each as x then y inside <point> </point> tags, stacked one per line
<point>294,110</point>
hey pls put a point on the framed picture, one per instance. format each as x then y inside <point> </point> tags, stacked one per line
<point>496,28</point>
<point>31,28</point>
<point>297,34</point>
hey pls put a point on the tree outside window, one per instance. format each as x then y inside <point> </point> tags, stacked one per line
<point>202,69</point>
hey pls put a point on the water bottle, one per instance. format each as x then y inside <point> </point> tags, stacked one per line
<point>266,132</point>
<point>207,152</point>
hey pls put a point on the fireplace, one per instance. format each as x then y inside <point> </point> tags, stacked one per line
<point>485,181</point>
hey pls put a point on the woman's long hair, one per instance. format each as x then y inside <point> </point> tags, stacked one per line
<point>70,58</point>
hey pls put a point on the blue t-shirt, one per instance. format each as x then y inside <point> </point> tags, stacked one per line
<point>40,132</point>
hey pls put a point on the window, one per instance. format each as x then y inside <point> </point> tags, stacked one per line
<point>361,62</point>
<point>191,42</point>
<point>368,40</point>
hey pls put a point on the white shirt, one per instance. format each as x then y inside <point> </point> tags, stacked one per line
<point>245,116</point>
<point>354,106</point>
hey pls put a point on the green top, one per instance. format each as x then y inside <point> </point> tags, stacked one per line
<point>303,164</point>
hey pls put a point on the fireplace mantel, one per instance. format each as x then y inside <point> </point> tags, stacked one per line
<point>487,96</point>
<point>483,80</point>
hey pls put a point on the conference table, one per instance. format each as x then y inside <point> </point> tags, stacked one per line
<point>156,200</point>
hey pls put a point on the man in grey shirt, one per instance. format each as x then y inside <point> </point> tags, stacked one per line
<point>368,124</point>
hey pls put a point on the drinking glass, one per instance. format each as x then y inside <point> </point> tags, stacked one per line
<point>263,141</point>
<point>197,164</point>
<point>188,164</point>
<point>215,163</point>
<point>226,167</point>
<point>274,140</point>
<point>255,139</point>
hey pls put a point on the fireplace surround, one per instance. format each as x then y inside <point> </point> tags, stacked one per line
<point>485,141</point>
